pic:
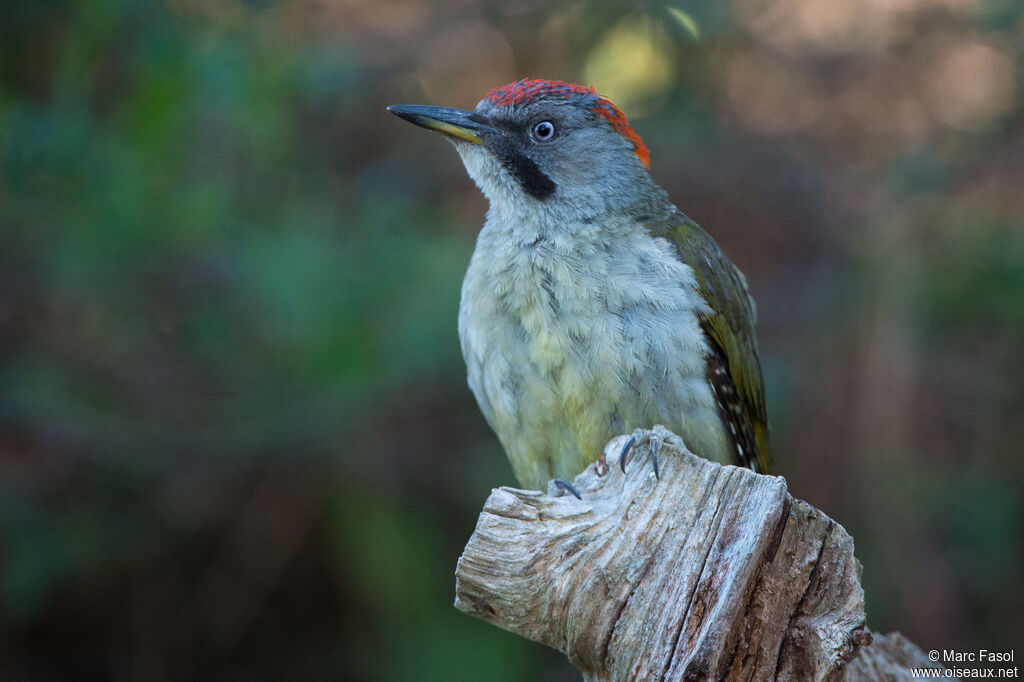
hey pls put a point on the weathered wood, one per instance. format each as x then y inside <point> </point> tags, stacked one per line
<point>890,657</point>
<point>711,572</point>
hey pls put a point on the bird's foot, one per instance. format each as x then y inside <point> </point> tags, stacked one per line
<point>560,484</point>
<point>654,438</point>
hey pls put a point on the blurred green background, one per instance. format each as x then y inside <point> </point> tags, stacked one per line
<point>228,294</point>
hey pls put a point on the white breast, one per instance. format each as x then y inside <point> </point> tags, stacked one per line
<point>579,336</point>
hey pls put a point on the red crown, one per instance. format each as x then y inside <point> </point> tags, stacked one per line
<point>529,90</point>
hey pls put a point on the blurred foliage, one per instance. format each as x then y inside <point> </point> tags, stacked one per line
<point>229,283</point>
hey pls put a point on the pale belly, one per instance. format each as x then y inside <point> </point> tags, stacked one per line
<point>562,358</point>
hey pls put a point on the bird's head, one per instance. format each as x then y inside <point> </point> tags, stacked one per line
<point>546,146</point>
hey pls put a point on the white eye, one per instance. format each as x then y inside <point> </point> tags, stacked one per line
<point>544,131</point>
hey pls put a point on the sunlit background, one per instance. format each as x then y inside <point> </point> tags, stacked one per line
<point>236,441</point>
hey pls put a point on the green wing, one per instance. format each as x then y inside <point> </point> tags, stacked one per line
<point>733,369</point>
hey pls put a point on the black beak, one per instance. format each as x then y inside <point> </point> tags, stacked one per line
<point>453,122</point>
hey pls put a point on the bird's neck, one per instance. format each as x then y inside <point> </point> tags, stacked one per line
<point>579,220</point>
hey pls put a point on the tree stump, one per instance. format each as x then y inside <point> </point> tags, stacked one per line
<point>710,572</point>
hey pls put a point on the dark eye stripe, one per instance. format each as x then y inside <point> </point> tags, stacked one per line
<point>529,176</point>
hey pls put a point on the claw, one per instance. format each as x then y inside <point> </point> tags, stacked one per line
<point>567,487</point>
<point>650,436</point>
<point>625,451</point>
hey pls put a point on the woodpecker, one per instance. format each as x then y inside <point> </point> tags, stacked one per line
<point>592,306</point>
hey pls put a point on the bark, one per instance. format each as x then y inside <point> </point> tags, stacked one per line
<point>710,572</point>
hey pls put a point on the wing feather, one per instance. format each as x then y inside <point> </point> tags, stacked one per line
<point>733,367</point>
